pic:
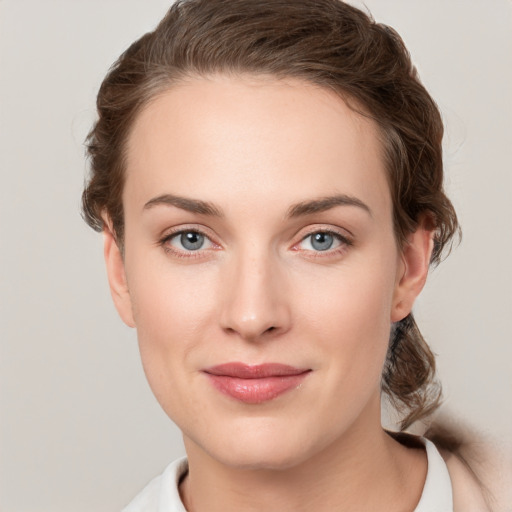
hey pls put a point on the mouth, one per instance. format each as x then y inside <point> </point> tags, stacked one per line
<point>255,384</point>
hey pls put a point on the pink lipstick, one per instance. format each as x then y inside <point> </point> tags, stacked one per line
<point>255,384</point>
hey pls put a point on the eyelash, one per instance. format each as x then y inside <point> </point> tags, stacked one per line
<point>344,241</point>
<point>169,249</point>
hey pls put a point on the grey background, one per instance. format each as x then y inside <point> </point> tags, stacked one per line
<point>79,428</point>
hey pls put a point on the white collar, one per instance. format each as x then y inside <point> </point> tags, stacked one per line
<point>162,495</point>
<point>437,491</point>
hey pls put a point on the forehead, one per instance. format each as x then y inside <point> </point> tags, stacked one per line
<point>235,138</point>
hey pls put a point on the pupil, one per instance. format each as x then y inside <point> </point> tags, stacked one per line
<point>322,241</point>
<point>192,241</point>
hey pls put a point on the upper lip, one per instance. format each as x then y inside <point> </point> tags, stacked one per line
<point>258,371</point>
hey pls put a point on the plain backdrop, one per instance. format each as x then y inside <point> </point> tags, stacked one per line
<point>80,430</point>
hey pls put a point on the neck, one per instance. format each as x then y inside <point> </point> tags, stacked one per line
<point>364,470</point>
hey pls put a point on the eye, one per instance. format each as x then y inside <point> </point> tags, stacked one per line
<point>189,241</point>
<point>322,241</point>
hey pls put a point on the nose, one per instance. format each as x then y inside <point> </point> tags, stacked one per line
<point>255,303</point>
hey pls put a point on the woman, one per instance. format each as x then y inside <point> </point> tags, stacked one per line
<point>268,178</point>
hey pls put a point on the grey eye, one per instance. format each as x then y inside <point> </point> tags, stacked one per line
<point>321,241</point>
<point>191,240</point>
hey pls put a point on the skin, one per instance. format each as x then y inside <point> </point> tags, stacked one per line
<point>258,291</point>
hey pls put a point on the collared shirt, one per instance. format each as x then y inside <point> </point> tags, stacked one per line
<point>162,495</point>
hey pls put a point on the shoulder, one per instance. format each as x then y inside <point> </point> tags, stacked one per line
<point>486,479</point>
<point>468,494</point>
<point>480,468</point>
<point>161,494</point>
<point>148,498</point>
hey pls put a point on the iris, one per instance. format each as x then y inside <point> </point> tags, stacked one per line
<point>322,241</point>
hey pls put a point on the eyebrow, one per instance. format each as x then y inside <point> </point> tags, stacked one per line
<point>297,210</point>
<point>326,203</point>
<point>185,203</point>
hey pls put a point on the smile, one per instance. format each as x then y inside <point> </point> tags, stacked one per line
<point>255,384</point>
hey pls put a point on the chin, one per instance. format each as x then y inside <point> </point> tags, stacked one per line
<point>254,458</point>
<point>261,446</point>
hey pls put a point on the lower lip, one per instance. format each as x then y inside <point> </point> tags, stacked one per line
<point>256,391</point>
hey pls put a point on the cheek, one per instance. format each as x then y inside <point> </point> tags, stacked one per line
<point>350,317</point>
<point>168,297</point>
<point>173,311</point>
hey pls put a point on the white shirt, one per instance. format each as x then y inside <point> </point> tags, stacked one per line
<point>161,494</point>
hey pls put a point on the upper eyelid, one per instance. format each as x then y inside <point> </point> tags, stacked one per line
<point>342,233</point>
<point>343,240</point>
<point>326,231</point>
<point>172,232</point>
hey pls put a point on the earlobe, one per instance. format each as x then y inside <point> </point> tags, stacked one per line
<point>117,277</point>
<point>415,258</point>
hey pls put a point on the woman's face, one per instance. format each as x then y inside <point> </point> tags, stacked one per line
<point>259,232</point>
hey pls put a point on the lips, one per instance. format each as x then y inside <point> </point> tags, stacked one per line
<point>255,384</point>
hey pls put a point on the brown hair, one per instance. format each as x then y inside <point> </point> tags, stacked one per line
<point>324,42</point>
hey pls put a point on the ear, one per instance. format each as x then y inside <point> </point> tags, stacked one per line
<point>117,276</point>
<point>413,271</point>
